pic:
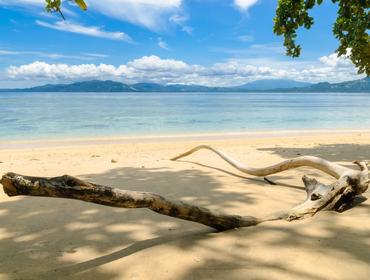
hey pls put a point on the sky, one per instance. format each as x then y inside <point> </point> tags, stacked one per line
<point>207,42</point>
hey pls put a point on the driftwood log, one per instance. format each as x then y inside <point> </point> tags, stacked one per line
<point>336,196</point>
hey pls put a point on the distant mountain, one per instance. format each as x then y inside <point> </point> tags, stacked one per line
<point>362,85</point>
<point>111,86</point>
<point>272,84</point>
<point>89,86</point>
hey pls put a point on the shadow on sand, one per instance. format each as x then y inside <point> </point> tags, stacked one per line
<point>42,238</point>
<point>335,152</point>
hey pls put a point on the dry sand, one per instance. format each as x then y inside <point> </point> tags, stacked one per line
<point>44,238</point>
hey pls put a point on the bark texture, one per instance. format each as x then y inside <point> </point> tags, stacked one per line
<point>69,187</point>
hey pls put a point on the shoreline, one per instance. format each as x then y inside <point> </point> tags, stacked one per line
<point>216,136</point>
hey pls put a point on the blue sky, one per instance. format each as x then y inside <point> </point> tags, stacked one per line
<point>210,42</point>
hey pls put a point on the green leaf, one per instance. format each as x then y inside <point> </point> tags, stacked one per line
<point>81,4</point>
<point>351,28</point>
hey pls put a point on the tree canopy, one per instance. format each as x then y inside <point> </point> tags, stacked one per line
<point>350,28</point>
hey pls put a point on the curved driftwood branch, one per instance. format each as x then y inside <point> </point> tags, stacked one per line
<point>328,167</point>
<point>69,187</point>
<point>337,196</point>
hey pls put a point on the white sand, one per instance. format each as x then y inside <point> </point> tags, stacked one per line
<point>44,238</point>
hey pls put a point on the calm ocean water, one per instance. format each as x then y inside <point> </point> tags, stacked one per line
<point>56,115</point>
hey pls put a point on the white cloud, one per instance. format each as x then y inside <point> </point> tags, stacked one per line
<point>155,69</point>
<point>147,68</point>
<point>2,52</point>
<point>181,20</point>
<point>255,50</point>
<point>22,3</point>
<point>152,14</point>
<point>188,29</point>
<point>245,4</point>
<point>83,56</point>
<point>85,30</point>
<point>162,44</point>
<point>178,19</point>
<point>155,63</point>
<point>246,38</point>
<point>333,60</point>
<point>34,6</point>
<point>96,55</point>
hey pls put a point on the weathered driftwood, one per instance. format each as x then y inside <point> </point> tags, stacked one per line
<point>69,187</point>
<point>336,196</point>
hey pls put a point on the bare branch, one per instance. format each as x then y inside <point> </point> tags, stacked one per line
<point>328,167</point>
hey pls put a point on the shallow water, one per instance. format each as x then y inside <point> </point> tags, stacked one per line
<point>63,115</point>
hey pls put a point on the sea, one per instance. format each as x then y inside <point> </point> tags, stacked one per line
<point>28,116</point>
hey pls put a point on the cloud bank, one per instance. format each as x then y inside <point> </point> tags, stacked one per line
<point>155,69</point>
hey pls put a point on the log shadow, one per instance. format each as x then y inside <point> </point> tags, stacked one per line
<point>270,180</point>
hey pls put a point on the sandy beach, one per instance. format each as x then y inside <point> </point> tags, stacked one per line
<point>45,238</point>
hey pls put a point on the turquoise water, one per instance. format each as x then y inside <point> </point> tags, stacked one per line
<point>56,115</point>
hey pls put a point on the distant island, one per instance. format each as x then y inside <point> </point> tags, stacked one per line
<point>362,85</point>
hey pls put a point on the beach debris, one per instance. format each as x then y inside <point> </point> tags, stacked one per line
<point>113,160</point>
<point>350,184</point>
<point>70,187</point>
<point>339,195</point>
<point>95,156</point>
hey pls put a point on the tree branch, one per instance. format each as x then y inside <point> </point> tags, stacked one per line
<point>328,167</point>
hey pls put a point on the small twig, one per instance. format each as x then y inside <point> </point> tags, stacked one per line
<point>61,14</point>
